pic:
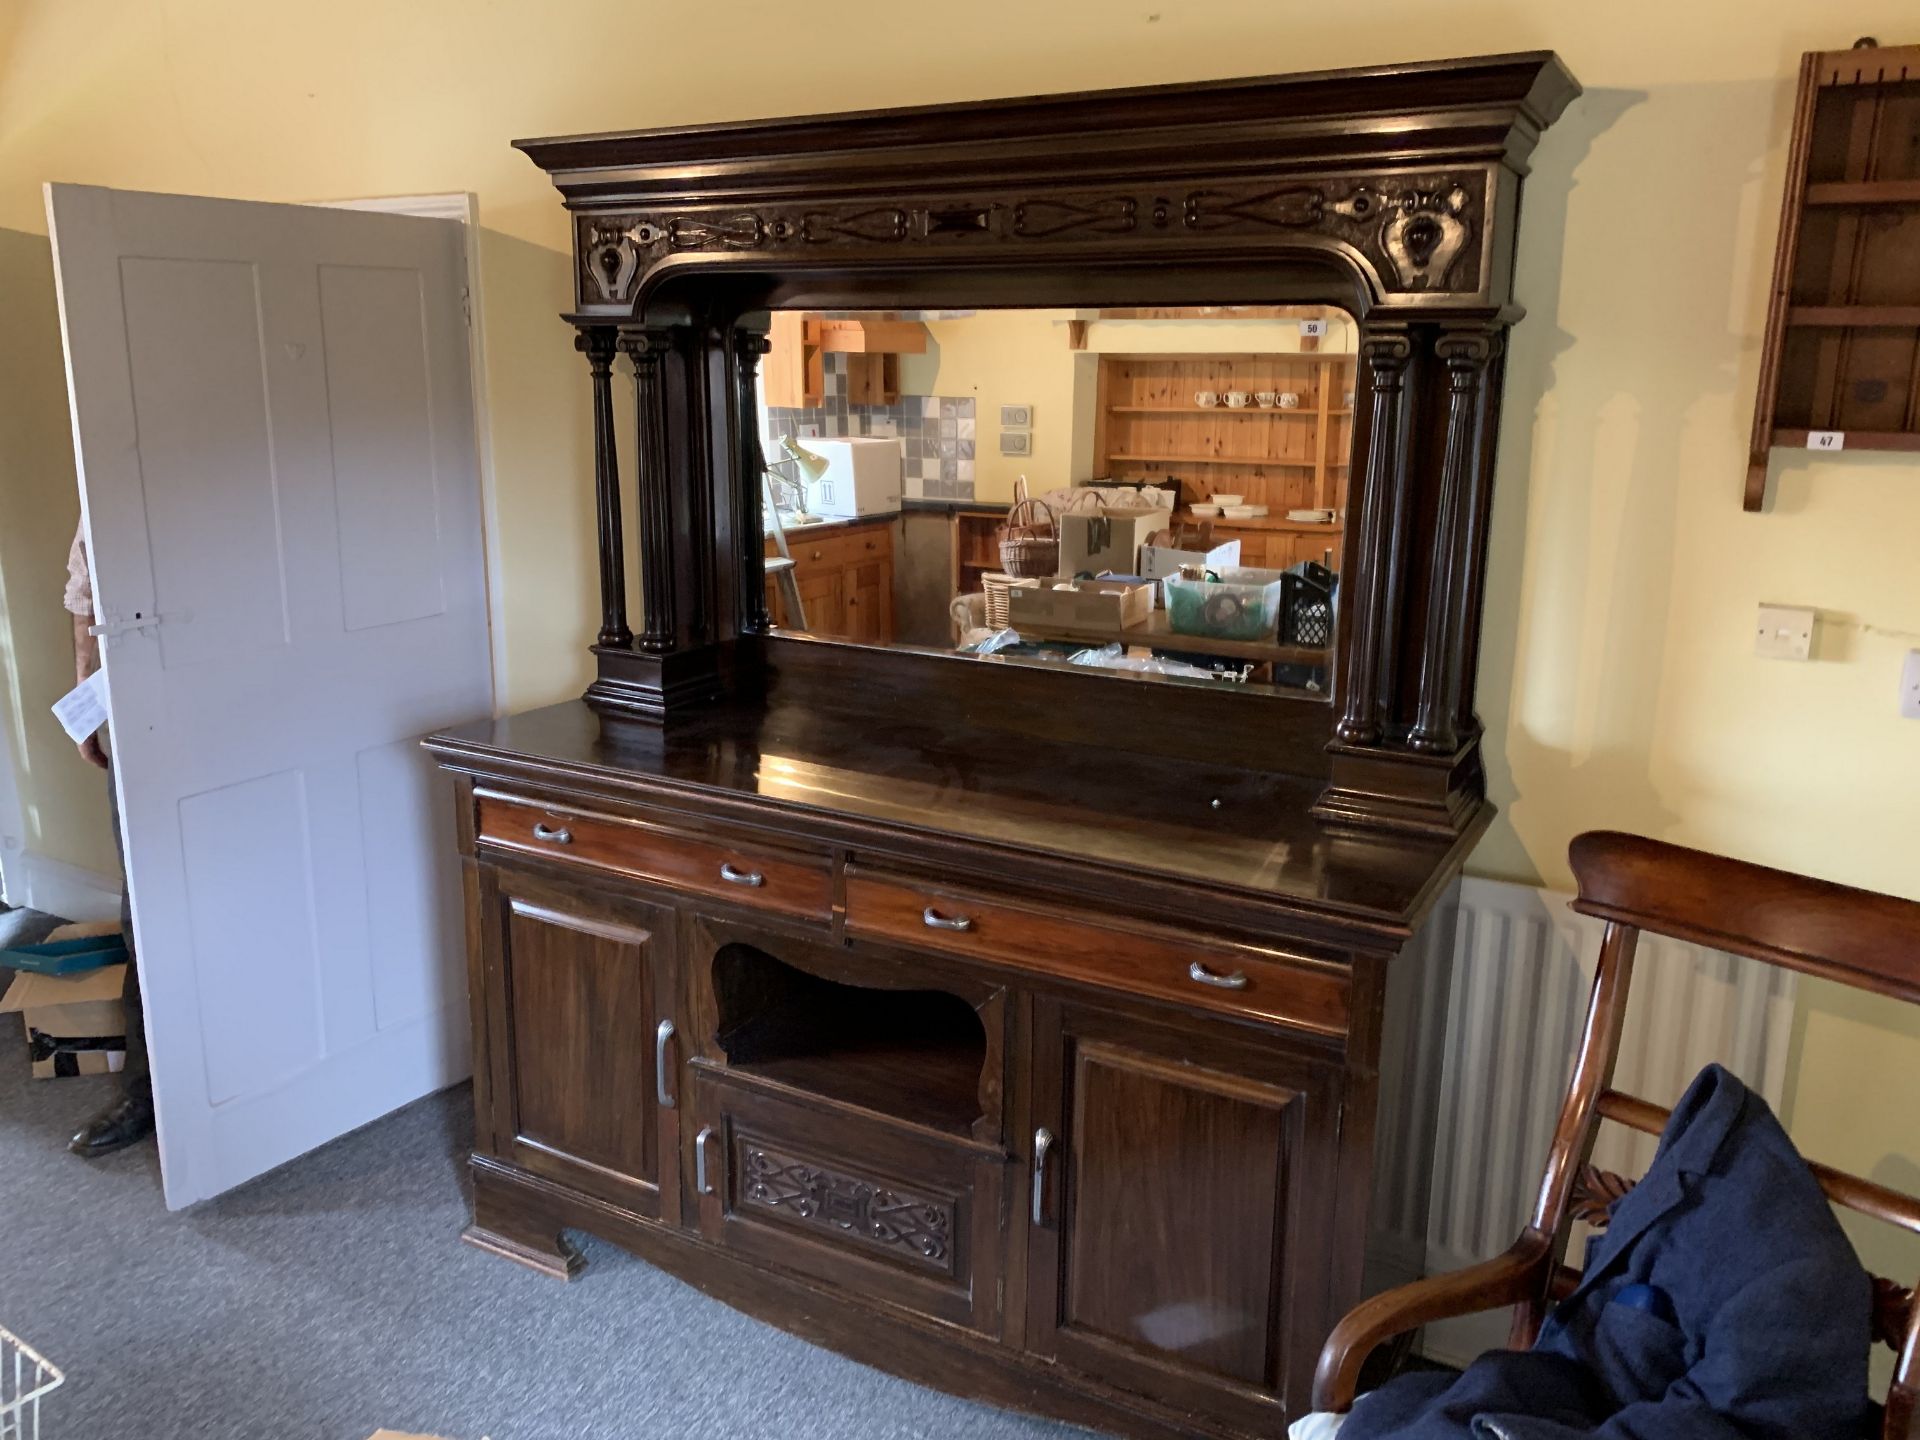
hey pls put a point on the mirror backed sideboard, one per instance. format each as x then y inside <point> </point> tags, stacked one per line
<point>1062,1035</point>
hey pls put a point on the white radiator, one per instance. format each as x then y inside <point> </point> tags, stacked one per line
<point>1522,970</point>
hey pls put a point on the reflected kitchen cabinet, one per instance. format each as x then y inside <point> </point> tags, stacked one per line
<point>845,577</point>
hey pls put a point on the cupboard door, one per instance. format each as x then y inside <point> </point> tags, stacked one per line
<point>585,1069</point>
<point>868,587</point>
<point>821,596</point>
<point>1171,1178</point>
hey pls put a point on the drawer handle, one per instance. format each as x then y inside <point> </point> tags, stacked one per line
<point>702,1182</point>
<point>558,834</point>
<point>734,875</point>
<point>1200,973</point>
<point>1042,1147</point>
<point>934,920</point>
<point>662,1038</point>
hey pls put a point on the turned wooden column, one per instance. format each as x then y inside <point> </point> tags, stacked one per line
<point>748,347</point>
<point>1385,353</point>
<point>1466,352</point>
<point>647,350</point>
<point>597,344</point>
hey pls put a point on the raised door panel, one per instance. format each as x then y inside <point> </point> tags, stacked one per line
<point>583,988</point>
<point>822,597</point>
<point>868,587</point>
<point>1180,1183</point>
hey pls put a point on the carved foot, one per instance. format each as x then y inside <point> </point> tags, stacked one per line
<point>502,1228</point>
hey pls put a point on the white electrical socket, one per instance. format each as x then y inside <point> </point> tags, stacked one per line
<point>883,429</point>
<point>1786,633</point>
<point>809,430</point>
<point>1910,686</point>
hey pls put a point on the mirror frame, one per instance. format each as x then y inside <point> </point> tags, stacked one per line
<point>1391,193</point>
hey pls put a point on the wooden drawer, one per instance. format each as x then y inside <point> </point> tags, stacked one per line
<point>1296,991</point>
<point>872,1208</point>
<point>747,874</point>
<point>839,548</point>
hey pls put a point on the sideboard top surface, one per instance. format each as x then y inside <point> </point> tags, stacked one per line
<point>1218,830</point>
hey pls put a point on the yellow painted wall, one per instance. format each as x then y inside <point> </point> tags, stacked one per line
<point>1618,684</point>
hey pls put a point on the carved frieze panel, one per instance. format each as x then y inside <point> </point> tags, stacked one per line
<point>916,1229</point>
<point>1418,233</point>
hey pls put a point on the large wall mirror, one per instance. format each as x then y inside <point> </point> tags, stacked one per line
<point>1151,492</point>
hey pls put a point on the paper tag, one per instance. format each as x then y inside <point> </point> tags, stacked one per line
<point>1826,439</point>
<point>1313,329</point>
<point>83,709</point>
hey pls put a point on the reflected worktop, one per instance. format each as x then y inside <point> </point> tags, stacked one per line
<point>1214,834</point>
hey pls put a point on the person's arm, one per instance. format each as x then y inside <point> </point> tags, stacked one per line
<point>86,660</point>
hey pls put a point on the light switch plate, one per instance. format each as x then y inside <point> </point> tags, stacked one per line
<point>1910,686</point>
<point>1016,417</point>
<point>1786,633</point>
<point>1016,442</point>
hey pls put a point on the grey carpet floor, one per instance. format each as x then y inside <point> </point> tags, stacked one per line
<point>331,1298</point>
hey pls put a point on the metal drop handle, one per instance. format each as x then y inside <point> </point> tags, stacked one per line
<point>560,835</point>
<point>936,921</point>
<point>702,1182</point>
<point>1042,1146</point>
<point>1236,981</point>
<point>662,1038</point>
<point>734,875</point>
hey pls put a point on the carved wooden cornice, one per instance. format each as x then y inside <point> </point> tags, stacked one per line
<point>1404,177</point>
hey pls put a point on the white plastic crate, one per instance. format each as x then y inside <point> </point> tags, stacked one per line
<point>25,1377</point>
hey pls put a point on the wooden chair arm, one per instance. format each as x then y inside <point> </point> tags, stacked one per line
<point>1509,1278</point>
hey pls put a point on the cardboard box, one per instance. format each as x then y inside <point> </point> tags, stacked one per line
<point>1095,540</point>
<point>74,1022</point>
<point>1083,605</point>
<point>1159,561</point>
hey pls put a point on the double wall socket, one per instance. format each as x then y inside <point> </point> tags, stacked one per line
<point>1786,633</point>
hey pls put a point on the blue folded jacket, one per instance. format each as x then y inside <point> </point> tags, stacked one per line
<point>1723,1302</point>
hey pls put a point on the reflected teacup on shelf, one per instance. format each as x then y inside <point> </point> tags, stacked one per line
<point>1265,398</point>
<point>1289,400</point>
<point>1205,399</point>
<point>1237,399</point>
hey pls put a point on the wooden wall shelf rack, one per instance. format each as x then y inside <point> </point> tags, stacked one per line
<point>1841,367</point>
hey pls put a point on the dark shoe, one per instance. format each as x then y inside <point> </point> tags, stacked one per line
<point>126,1122</point>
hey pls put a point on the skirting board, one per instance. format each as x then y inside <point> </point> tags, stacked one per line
<point>34,882</point>
<point>1523,968</point>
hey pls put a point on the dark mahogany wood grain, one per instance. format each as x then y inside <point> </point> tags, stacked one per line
<point>1392,192</point>
<point>579,992</point>
<point>1293,990</point>
<point>960,799</point>
<point>790,883</point>
<point>1208,949</point>
<point>1835,932</point>
<point>1176,1181</point>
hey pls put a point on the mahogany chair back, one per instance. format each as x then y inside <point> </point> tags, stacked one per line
<point>1855,937</point>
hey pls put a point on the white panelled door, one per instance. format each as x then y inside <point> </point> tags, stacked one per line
<point>273,418</point>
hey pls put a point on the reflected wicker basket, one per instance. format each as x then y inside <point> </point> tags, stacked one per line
<point>1029,541</point>
<point>995,586</point>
